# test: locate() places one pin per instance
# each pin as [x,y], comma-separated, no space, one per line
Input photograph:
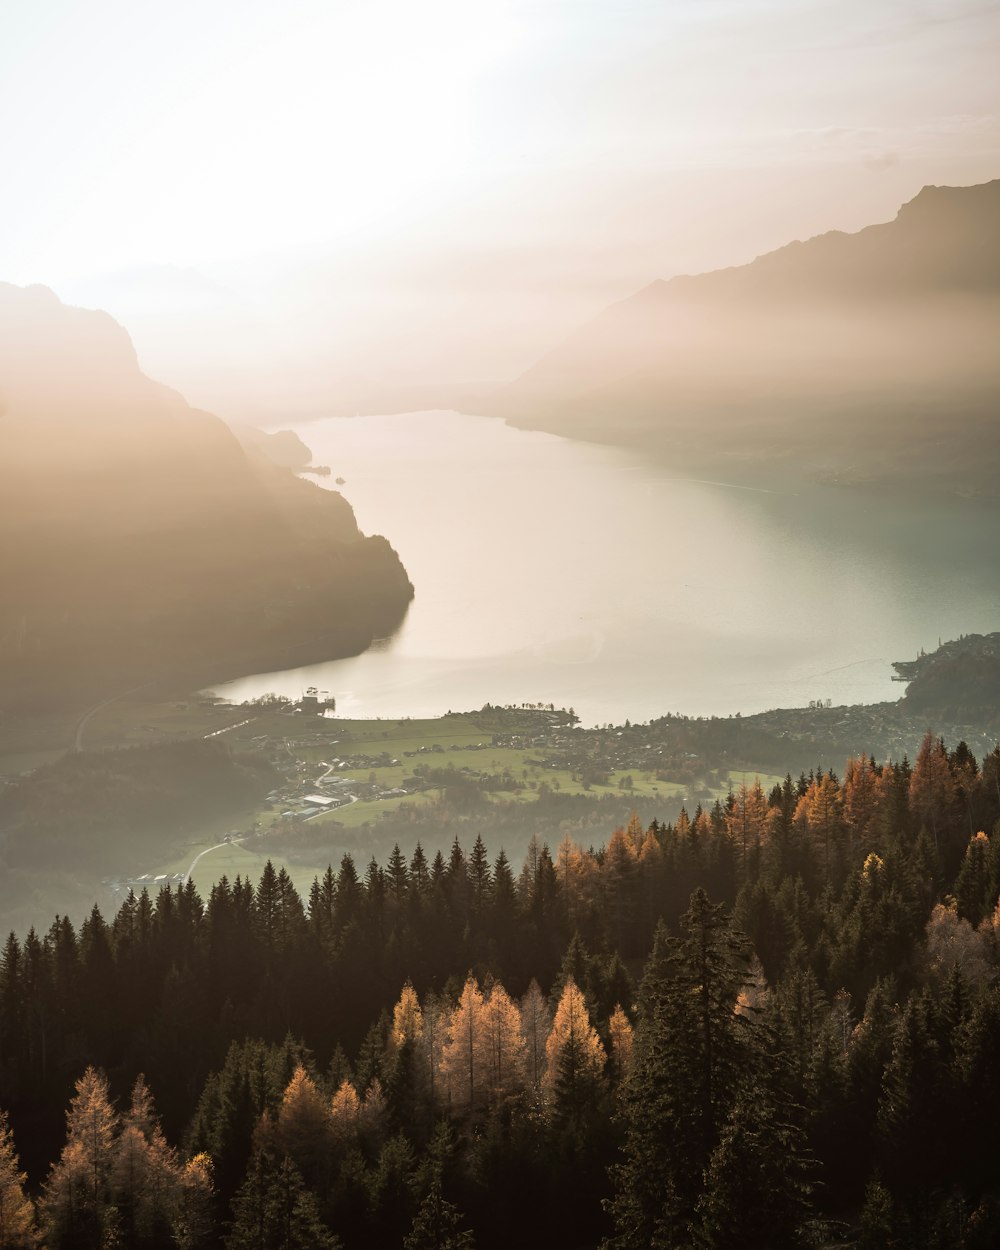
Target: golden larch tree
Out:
[860,795]
[536,1025]
[433,1039]
[620,1033]
[304,1128]
[193,1225]
[465,1061]
[746,823]
[407,1018]
[573,1051]
[819,810]
[507,1057]
[145,1173]
[17,1215]
[372,1113]
[76,1205]
[345,1114]
[933,793]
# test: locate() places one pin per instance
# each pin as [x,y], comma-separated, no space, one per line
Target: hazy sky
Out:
[568,150]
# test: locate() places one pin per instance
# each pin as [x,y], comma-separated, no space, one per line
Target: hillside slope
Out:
[138,539]
[867,357]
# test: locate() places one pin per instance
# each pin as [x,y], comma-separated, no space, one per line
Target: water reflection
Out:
[547,570]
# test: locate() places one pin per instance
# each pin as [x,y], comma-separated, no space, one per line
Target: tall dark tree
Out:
[691,1051]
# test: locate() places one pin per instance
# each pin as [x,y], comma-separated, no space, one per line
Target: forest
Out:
[773,1022]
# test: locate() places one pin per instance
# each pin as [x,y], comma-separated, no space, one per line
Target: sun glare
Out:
[246,131]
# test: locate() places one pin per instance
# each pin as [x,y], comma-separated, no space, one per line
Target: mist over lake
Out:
[584,575]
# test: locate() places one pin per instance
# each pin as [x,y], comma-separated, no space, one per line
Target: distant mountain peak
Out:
[818,349]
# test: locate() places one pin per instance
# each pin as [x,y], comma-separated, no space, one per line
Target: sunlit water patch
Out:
[553,571]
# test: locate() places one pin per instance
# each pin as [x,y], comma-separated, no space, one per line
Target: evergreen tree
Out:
[754,1190]
[479,877]
[274,1211]
[437,1222]
[690,1054]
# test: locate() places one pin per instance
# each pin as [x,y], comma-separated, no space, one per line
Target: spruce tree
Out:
[273,1210]
[690,1052]
[754,1192]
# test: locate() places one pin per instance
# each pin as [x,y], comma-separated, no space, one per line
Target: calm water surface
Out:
[581,575]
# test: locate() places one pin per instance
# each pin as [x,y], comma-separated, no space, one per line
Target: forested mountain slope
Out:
[775,1023]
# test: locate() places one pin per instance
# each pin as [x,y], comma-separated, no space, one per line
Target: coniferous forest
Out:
[773,1023]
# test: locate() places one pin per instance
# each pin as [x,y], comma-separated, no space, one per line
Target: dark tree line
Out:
[773,1021]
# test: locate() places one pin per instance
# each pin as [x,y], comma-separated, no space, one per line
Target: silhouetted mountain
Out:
[138,539]
[867,356]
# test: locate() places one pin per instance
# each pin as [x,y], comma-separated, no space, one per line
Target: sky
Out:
[439,191]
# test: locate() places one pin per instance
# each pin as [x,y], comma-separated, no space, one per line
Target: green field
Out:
[303,748]
[232,861]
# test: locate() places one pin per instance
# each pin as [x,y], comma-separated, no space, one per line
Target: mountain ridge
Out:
[888,332]
[138,537]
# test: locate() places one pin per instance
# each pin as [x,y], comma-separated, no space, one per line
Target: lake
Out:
[582,575]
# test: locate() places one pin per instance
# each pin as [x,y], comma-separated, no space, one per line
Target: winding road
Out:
[202,854]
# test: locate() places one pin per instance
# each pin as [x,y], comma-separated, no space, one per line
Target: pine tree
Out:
[820,808]
[877,1219]
[419,876]
[620,874]
[503,911]
[17,1215]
